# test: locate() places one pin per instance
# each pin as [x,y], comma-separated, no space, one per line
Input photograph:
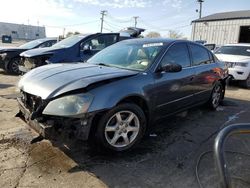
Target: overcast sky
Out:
[84,15]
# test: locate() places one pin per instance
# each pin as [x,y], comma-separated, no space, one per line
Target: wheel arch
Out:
[135,99]
[6,64]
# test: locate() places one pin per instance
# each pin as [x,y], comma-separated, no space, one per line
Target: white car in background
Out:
[237,59]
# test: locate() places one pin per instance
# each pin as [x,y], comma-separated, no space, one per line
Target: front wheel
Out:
[121,128]
[216,96]
[12,66]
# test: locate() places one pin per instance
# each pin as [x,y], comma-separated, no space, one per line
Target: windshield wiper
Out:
[103,64]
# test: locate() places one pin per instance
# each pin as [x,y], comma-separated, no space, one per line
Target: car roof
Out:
[151,40]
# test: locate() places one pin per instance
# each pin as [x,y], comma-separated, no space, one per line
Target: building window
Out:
[14,32]
[37,35]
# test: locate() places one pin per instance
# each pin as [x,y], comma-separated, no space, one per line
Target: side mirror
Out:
[171,68]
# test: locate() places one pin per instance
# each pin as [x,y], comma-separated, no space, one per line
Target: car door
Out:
[205,71]
[174,90]
[96,44]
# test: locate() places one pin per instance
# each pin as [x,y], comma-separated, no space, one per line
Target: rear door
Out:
[92,46]
[205,71]
[174,91]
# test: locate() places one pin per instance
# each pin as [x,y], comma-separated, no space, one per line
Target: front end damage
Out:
[49,126]
[28,63]
[3,59]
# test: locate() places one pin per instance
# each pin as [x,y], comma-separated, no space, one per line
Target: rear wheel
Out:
[216,96]
[121,128]
[12,66]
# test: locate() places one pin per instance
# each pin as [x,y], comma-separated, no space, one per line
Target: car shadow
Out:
[3,86]
[5,73]
[167,156]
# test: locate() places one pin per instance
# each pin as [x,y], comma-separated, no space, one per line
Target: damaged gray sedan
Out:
[121,91]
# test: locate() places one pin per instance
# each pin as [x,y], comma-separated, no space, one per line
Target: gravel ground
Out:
[167,158]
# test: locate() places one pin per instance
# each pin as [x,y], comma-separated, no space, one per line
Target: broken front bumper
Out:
[41,129]
[79,127]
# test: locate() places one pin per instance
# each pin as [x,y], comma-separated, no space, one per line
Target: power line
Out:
[63,26]
[112,25]
[119,19]
[164,29]
[108,29]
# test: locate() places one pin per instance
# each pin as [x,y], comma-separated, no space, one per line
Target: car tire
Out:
[246,83]
[216,96]
[12,66]
[121,128]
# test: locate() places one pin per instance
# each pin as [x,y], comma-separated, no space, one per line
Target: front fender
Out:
[109,95]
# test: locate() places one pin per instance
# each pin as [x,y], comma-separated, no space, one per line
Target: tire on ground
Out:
[101,137]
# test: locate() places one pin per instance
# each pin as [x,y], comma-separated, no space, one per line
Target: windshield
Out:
[70,41]
[32,44]
[128,56]
[234,50]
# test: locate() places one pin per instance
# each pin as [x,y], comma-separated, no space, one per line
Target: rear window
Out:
[234,50]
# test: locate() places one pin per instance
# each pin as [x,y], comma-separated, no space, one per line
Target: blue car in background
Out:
[77,48]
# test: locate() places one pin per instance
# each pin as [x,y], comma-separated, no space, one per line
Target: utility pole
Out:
[136,17]
[200,1]
[103,13]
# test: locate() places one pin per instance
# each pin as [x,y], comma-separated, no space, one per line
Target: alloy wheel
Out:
[216,96]
[122,129]
[14,66]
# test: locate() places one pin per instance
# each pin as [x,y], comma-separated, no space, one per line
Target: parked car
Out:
[9,56]
[121,91]
[75,48]
[237,58]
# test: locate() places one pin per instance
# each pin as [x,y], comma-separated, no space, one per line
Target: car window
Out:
[177,54]
[234,50]
[32,44]
[47,44]
[70,41]
[199,54]
[100,42]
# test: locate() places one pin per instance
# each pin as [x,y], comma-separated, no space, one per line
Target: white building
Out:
[223,28]
[21,31]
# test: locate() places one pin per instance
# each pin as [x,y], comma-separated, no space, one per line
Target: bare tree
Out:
[175,35]
[69,34]
[153,34]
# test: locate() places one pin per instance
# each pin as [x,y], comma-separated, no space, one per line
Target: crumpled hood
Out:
[40,51]
[52,80]
[232,58]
